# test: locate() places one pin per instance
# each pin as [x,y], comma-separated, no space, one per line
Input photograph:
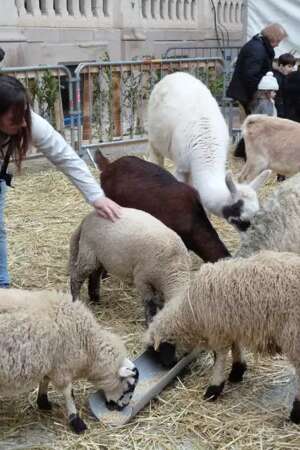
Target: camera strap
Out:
[3,171]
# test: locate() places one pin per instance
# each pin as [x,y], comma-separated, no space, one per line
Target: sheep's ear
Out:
[127,369]
[260,179]
[156,343]
[230,183]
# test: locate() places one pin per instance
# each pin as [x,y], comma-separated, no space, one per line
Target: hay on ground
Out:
[42,212]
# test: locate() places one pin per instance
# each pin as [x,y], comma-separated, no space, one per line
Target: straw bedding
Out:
[42,212]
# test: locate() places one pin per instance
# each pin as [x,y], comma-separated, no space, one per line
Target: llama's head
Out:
[244,200]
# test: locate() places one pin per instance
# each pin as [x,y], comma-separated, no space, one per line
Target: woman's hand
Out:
[107,208]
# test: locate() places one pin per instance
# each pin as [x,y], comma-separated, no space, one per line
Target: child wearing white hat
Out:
[263,101]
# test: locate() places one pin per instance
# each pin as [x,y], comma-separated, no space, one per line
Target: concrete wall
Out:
[62,31]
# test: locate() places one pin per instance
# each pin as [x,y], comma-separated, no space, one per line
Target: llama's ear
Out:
[260,179]
[100,160]
[230,183]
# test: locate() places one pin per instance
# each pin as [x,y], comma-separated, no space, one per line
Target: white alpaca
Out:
[186,125]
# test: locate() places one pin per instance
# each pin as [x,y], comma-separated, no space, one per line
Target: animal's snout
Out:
[136,373]
[241,225]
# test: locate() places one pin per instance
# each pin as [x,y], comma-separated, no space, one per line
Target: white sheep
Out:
[186,125]
[137,246]
[46,337]
[270,143]
[250,302]
[276,225]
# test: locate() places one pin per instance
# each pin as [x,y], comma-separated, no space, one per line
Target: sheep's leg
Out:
[294,359]
[94,285]
[42,398]
[217,380]
[78,276]
[239,365]
[252,168]
[151,300]
[76,423]
[154,156]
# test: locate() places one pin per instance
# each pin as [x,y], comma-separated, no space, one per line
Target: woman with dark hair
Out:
[19,127]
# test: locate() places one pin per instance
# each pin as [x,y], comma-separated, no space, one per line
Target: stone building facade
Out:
[71,31]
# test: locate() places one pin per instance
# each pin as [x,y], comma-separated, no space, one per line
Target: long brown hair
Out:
[14,96]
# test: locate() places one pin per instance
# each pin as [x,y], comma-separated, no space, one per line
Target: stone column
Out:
[98,8]
[48,7]
[74,8]
[20,6]
[87,8]
[164,9]
[34,7]
[61,8]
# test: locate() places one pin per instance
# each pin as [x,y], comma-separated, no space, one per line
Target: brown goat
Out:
[135,183]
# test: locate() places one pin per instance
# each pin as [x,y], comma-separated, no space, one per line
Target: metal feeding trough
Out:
[154,377]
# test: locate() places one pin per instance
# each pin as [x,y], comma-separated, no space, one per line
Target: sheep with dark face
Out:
[186,125]
[136,247]
[45,337]
[249,302]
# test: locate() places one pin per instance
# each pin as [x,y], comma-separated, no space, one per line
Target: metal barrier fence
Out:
[111,97]
[201,52]
[104,103]
[46,84]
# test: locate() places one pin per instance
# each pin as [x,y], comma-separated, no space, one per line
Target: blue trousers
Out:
[4,275]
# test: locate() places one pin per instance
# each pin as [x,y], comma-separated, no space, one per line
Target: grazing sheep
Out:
[136,246]
[135,183]
[186,125]
[45,337]
[271,143]
[276,225]
[252,302]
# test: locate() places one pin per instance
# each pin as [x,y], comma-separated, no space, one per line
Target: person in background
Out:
[286,64]
[2,54]
[19,127]
[292,96]
[255,59]
[264,98]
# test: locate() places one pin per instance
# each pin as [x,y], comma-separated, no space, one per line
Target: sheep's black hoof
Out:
[77,424]
[213,392]
[237,371]
[295,413]
[166,354]
[43,402]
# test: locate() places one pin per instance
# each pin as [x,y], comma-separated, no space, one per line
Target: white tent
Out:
[259,13]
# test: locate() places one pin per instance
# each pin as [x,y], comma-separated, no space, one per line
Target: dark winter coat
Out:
[2,54]
[292,96]
[254,61]
[279,99]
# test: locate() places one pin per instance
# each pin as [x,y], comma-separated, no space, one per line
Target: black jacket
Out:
[254,61]
[279,99]
[291,96]
[2,54]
